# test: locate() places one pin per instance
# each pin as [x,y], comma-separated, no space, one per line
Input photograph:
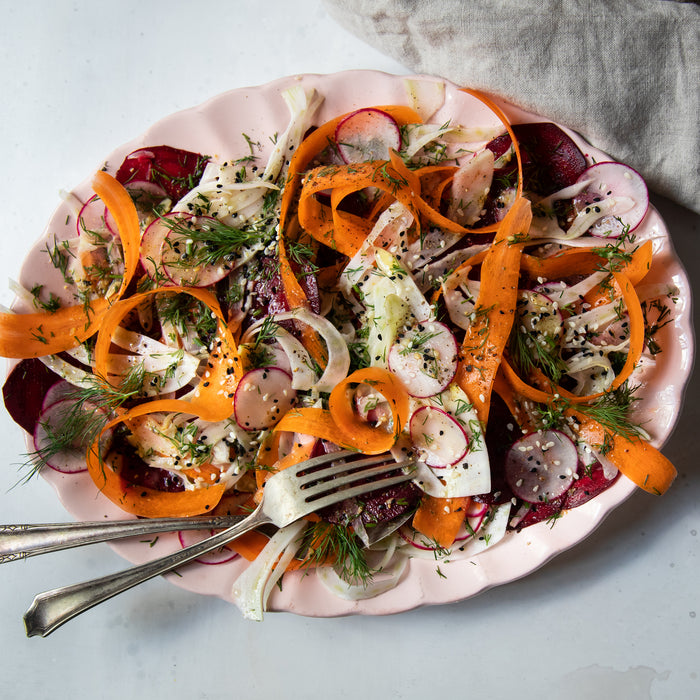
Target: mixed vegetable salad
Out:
[379,283]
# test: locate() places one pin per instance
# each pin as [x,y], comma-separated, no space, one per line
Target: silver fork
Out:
[288,495]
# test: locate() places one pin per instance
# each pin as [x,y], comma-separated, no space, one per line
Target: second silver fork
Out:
[288,496]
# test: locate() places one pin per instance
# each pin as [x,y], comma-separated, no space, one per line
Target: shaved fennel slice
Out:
[302,105]
[460,295]
[386,575]
[252,588]
[169,368]
[338,353]
[391,224]
[72,374]
[426,96]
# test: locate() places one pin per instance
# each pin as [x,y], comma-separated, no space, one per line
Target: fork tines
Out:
[352,472]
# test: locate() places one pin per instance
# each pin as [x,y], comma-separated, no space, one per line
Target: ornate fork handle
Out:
[51,609]
[22,541]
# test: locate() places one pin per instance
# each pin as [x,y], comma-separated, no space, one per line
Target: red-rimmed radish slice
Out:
[148,198]
[60,391]
[151,248]
[541,466]
[95,221]
[437,436]
[262,397]
[218,556]
[539,314]
[424,358]
[367,134]
[181,256]
[617,181]
[70,460]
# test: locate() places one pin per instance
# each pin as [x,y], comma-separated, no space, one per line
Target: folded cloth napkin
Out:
[623,73]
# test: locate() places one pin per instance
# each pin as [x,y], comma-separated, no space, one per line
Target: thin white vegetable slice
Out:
[425,357]
[469,476]
[151,248]
[262,397]
[539,314]
[338,362]
[387,576]
[619,183]
[367,134]
[425,96]
[181,257]
[440,440]
[470,187]
[541,466]
[252,588]
[169,368]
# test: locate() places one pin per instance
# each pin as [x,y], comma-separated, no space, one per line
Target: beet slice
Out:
[551,159]
[175,170]
[589,484]
[24,391]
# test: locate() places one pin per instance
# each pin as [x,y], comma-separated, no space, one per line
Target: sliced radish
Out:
[148,198]
[438,437]
[425,358]
[151,247]
[218,556]
[541,466]
[367,134]
[618,181]
[94,221]
[70,460]
[262,397]
[181,256]
[60,391]
[539,314]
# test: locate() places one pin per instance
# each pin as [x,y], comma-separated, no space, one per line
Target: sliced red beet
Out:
[375,507]
[24,391]
[551,159]
[175,170]
[589,484]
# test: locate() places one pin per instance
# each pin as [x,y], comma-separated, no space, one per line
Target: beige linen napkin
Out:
[623,73]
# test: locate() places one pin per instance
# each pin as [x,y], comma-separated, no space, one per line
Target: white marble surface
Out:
[614,617]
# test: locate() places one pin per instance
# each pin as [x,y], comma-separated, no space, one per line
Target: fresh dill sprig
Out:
[336,545]
[188,316]
[529,350]
[611,410]
[210,242]
[87,410]
[259,353]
